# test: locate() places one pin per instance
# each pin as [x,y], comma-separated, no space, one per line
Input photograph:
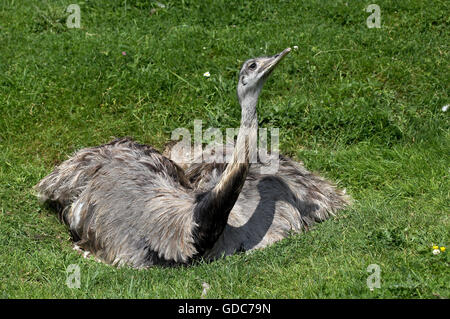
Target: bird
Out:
[128,204]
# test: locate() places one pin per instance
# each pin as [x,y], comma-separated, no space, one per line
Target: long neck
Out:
[214,207]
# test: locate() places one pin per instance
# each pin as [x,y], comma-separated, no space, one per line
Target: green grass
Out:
[361,106]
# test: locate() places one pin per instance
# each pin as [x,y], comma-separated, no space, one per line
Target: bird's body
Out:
[270,206]
[126,203]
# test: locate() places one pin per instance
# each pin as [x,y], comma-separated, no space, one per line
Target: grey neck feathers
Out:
[213,207]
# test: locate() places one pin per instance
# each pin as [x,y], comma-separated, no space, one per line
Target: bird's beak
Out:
[272,62]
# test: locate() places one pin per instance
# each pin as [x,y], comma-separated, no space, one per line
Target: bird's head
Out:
[254,73]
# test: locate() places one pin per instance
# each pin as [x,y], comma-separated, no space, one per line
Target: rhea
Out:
[127,204]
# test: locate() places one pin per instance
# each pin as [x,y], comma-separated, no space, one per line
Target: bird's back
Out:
[270,206]
[119,199]
[67,180]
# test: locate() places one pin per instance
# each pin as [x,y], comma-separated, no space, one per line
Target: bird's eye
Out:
[252,66]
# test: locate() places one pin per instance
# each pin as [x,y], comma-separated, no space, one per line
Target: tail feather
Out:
[68,180]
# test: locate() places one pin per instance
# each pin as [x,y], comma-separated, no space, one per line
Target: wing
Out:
[68,180]
[125,203]
[129,214]
[272,206]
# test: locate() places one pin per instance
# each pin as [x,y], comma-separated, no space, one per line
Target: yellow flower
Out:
[442,249]
[435,247]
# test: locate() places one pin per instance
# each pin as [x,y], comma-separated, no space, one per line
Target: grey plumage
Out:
[126,203]
[270,206]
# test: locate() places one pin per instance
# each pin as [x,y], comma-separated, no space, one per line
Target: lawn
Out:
[361,106]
